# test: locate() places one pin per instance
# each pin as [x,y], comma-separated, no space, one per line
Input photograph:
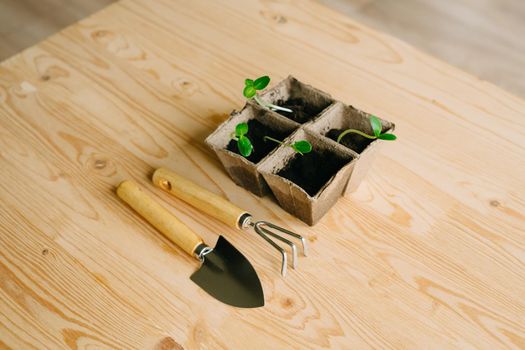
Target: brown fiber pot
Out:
[341,116]
[244,172]
[291,89]
[309,207]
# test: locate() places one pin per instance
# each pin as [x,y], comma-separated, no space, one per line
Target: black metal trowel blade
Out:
[229,277]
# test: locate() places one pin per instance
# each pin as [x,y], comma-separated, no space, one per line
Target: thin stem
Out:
[348,131]
[270,105]
[284,109]
[295,149]
[261,103]
[280,142]
[272,139]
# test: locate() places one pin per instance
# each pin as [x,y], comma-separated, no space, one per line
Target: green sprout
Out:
[376,128]
[243,142]
[250,91]
[301,146]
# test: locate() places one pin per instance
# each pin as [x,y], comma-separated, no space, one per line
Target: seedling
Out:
[376,128]
[301,146]
[250,91]
[243,142]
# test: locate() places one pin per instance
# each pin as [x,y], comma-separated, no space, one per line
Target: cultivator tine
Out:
[263,229]
[284,261]
[288,232]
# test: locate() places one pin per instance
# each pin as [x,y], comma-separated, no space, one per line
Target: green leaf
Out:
[261,83]
[241,129]
[376,125]
[248,82]
[302,146]
[245,146]
[249,91]
[388,137]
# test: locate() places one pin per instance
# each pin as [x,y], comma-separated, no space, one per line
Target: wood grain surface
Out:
[482,37]
[429,253]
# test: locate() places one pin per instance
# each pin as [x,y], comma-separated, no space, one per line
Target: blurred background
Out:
[483,37]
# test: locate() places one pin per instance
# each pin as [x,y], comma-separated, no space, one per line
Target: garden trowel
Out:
[225,273]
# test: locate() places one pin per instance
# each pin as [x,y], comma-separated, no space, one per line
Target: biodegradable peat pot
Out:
[340,117]
[308,185]
[261,122]
[306,102]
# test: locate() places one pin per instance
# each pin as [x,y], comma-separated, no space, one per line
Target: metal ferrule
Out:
[245,221]
[201,251]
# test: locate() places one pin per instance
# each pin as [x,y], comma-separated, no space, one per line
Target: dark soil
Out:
[353,141]
[302,110]
[312,170]
[256,133]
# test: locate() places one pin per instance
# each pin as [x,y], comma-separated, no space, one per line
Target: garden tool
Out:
[224,273]
[228,213]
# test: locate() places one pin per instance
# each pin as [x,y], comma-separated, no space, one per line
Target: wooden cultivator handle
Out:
[200,198]
[159,217]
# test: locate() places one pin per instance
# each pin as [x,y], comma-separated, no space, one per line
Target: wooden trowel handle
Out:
[159,217]
[200,198]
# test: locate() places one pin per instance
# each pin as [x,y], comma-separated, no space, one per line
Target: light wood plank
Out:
[481,37]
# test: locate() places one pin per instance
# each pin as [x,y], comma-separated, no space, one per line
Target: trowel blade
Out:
[229,277]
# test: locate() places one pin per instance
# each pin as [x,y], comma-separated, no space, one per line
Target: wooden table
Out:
[428,253]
